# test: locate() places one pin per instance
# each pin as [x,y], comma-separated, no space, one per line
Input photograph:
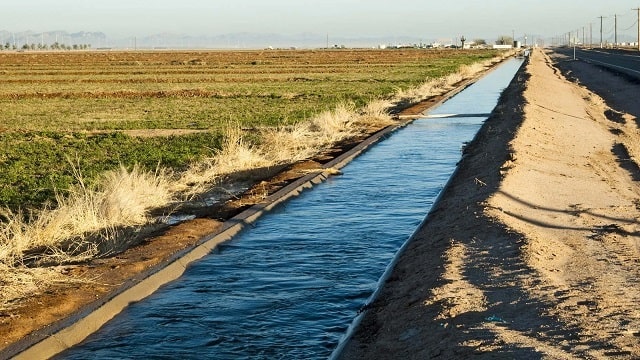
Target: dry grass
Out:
[282,145]
[441,85]
[126,196]
[122,198]
[22,283]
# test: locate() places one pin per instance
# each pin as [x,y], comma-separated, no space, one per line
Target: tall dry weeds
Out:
[121,198]
[438,86]
[276,147]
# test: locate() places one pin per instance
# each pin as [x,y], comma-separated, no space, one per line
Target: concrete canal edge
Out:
[64,334]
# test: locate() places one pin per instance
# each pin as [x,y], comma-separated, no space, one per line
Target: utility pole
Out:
[638,10]
[601,17]
[615,17]
[590,35]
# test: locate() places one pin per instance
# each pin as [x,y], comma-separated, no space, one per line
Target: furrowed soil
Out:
[533,251]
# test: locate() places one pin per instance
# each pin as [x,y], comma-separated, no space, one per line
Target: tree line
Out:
[54,46]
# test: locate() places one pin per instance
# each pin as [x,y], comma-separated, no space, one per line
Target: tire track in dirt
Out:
[581,222]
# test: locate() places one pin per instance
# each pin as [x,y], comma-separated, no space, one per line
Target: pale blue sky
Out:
[351,18]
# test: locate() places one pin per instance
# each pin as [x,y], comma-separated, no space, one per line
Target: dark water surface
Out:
[289,287]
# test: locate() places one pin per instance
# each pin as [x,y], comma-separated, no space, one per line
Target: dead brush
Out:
[121,198]
[18,283]
[335,125]
[438,86]
[236,154]
[290,144]
[375,115]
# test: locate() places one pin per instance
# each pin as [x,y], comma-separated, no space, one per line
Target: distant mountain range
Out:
[243,40]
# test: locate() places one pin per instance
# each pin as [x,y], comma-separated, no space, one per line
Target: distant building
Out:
[504,47]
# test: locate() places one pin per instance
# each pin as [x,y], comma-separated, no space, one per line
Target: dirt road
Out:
[533,251]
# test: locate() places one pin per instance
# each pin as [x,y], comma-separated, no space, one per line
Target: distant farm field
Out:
[97,110]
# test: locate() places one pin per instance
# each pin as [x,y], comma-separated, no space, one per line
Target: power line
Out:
[633,25]
[618,31]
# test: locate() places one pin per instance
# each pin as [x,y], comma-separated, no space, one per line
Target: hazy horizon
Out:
[338,19]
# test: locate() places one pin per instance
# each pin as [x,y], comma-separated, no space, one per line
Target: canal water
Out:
[289,287]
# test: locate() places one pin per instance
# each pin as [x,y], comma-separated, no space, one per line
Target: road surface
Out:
[627,63]
[620,84]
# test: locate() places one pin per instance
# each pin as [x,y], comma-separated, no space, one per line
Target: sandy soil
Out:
[533,251]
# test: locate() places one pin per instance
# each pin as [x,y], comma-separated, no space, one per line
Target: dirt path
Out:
[533,251]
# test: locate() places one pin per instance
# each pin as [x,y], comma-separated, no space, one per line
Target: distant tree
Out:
[75,46]
[25,47]
[32,46]
[480,42]
[504,40]
[7,45]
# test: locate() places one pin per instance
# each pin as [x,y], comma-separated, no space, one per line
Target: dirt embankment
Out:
[533,251]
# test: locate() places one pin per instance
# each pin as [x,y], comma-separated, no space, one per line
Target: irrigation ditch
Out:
[448,118]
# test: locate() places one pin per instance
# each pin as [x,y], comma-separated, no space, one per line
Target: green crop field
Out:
[97,110]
